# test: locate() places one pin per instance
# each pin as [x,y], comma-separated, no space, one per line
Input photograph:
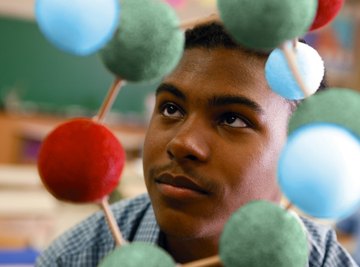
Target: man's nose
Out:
[190,142]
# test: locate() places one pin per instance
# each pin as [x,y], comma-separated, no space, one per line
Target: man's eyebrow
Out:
[235,99]
[169,88]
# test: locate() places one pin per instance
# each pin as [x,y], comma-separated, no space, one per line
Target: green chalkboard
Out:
[40,74]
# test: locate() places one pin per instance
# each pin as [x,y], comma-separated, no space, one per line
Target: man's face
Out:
[213,141]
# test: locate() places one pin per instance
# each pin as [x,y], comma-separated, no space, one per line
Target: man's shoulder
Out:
[324,248]
[91,238]
[127,209]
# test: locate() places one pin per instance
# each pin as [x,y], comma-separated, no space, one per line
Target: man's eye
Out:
[171,110]
[233,120]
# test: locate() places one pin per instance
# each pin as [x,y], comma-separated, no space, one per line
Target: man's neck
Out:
[188,250]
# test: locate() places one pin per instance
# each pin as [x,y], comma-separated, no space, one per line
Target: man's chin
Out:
[180,225]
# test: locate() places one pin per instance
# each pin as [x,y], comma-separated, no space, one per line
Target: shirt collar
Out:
[148,230]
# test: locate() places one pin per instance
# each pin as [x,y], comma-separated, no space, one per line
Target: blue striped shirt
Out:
[87,243]
[351,226]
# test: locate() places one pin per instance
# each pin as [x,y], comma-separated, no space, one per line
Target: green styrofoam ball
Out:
[334,105]
[265,24]
[138,254]
[262,234]
[148,43]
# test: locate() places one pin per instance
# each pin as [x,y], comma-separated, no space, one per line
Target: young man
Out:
[212,145]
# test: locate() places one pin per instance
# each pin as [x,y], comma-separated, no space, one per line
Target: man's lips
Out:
[182,182]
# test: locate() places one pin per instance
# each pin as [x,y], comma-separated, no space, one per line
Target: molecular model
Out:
[142,40]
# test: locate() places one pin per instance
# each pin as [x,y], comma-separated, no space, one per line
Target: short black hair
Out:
[213,35]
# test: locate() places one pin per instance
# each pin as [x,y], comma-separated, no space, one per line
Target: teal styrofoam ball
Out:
[333,105]
[79,27]
[264,24]
[138,254]
[262,234]
[319,169]
[282,80]
[148,44]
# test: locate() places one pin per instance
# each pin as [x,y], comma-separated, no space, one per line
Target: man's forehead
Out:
[220,67]
[205,74]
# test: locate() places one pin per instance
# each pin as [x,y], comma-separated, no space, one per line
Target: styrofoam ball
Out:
[81,161]
[138,254]
[79,27]
[148,44]
[326,12]
[176,3]
[319,169]
[281,79]
[262,234]
[264,24]
[340,106]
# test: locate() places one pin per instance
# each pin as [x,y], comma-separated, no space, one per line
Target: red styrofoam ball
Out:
[81,161]
[326,12]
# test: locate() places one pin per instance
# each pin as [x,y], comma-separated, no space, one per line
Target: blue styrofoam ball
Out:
[79,27]
[319,170]
[281,79]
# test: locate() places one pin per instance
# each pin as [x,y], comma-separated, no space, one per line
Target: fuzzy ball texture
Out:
[326,12]
[138,254]
[264,24]
[79,27]
[335,105]
[319,170]
[262,234]
[81,161]
[281,79]
[148,43]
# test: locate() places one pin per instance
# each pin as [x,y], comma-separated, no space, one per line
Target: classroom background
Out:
[41,87]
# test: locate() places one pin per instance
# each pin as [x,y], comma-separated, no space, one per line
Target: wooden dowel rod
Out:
[207,262]
[109,99]
[114,228]
[288,206]
[104,109]
[291,59]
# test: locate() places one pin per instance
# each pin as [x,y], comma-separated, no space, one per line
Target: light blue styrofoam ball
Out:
[319,170]
[79,27]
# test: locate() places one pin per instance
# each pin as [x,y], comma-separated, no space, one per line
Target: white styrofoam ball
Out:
[281,79]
